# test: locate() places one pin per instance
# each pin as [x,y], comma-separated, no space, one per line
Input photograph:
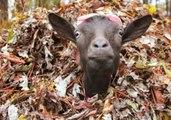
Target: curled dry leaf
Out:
[24,82]
[12,112]
[157,96]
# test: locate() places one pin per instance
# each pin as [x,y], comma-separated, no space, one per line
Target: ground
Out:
[40,76]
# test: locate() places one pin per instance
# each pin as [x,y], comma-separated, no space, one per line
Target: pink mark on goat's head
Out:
[112,18]
[115,19]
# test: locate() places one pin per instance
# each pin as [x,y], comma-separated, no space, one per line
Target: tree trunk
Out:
[3,10]
[145,1]
[169,9]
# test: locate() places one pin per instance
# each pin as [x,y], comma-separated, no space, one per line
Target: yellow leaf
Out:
[169,106]
[116,2]
[134,105]
[110,90]
[51,86]
[164,116]
[107,106]
[140,64]
[167,71]
[151,8]
[22,117]
[11,33]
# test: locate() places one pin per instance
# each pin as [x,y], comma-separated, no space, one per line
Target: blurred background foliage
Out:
[9,8]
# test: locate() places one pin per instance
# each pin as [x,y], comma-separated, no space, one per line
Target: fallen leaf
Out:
[168,36]
[61,84]
[132,92]
[22,117]
[147,40]
[23,54]
[169,86]
[164,116]
[157,96]
[167,71]
[107,106]
[78,115]
[76,89]
[12,58]
[142,87]
[151,8]
[153,62]
[130,62]
[24,82]
[133,75]
[140,63]
[107,116]
[134,105]
[5,50]
[13,112]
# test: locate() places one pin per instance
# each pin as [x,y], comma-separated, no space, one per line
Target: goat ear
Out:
[136,28]
[62,27]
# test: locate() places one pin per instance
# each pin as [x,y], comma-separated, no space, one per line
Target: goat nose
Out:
[100,44]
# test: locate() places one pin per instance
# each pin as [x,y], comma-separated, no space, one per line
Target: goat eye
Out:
[121,31]
[77,34]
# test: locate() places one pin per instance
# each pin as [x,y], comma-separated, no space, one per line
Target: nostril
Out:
[105,45]
[100,44]
[95,45]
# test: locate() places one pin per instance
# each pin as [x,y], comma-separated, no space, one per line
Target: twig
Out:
[12,58]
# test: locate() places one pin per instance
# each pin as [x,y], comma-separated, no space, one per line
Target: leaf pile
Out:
[40,77]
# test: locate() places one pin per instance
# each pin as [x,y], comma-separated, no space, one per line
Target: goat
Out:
[99,39]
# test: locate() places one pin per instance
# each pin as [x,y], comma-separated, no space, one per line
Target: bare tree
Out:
[169,8]
[145,1]
[3,10]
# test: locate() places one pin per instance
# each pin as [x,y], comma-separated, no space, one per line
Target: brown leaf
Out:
[158,96]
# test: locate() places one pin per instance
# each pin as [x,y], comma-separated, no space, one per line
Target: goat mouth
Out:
[100,63]
[100,60]
[100,57]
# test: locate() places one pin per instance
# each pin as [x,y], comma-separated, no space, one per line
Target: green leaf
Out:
[140,63]
[167,71]
[11,36]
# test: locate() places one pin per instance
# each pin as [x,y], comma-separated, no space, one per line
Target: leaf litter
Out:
[40,77]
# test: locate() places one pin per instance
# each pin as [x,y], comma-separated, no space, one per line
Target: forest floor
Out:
[40,77]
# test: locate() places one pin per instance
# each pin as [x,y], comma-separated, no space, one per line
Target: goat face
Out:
[99,39]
